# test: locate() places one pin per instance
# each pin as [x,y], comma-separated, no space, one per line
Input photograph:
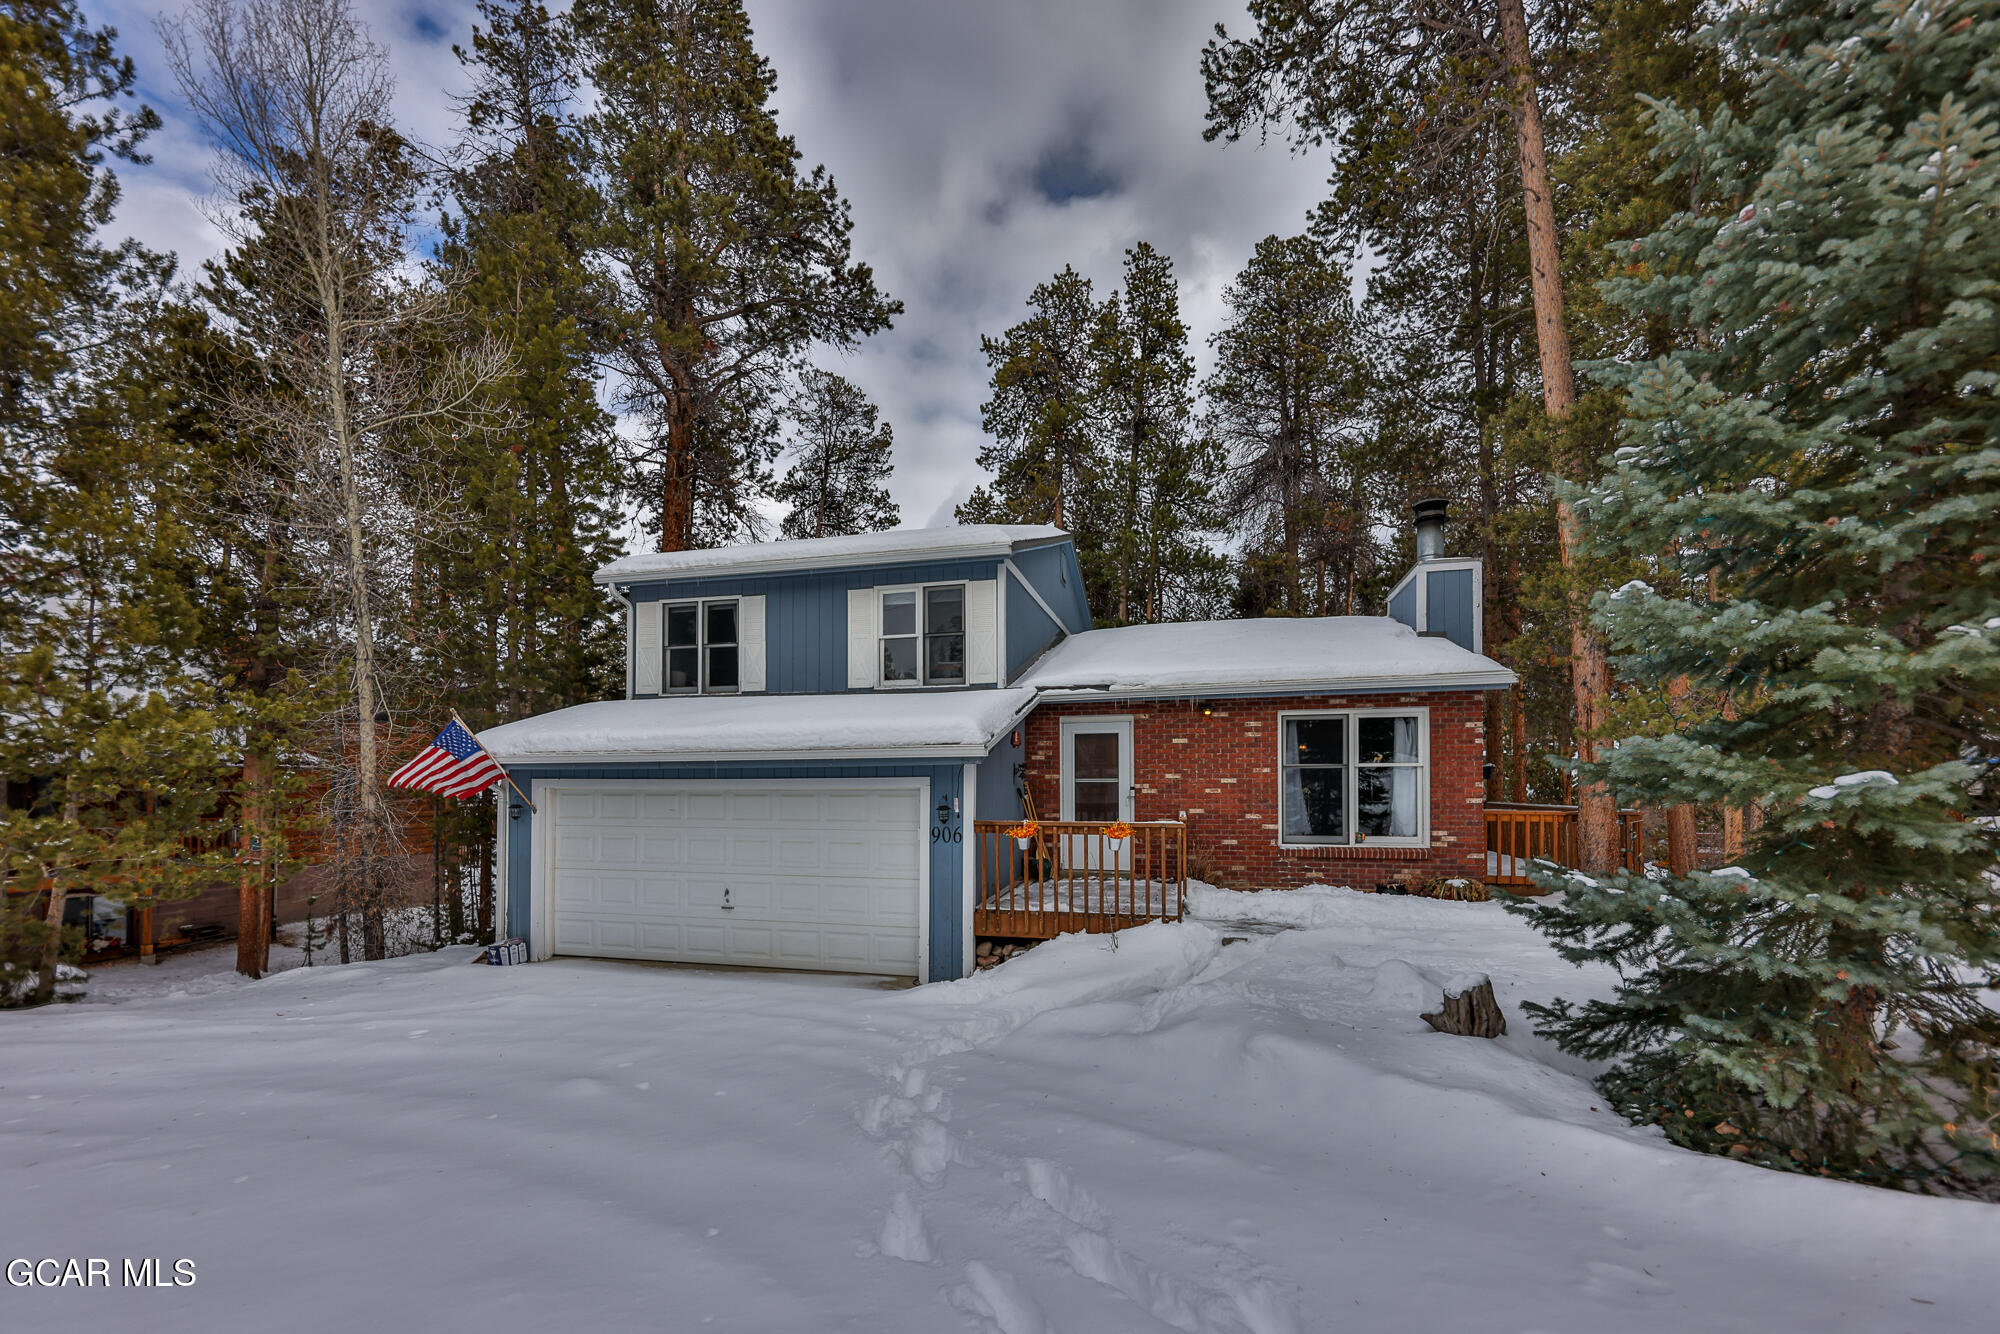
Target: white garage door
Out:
[773,875]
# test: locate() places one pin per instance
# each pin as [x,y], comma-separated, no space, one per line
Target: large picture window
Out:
[923,635]
[702,647]
[1353,777]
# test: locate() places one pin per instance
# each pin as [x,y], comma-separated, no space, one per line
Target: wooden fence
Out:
[1072,876]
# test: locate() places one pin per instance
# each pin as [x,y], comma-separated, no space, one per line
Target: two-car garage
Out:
[774,873]
[818,832]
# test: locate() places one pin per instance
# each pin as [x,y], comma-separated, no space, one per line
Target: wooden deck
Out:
[1518,835]
[1071,876]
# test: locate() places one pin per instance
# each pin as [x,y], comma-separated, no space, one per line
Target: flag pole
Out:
[489,755]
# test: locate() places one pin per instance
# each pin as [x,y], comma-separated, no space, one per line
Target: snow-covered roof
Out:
[965,541]
[953,723]
[1274,654]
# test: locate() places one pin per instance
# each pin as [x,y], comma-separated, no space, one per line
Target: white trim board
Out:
[1351,811]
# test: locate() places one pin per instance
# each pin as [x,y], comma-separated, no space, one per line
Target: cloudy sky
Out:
[983,144]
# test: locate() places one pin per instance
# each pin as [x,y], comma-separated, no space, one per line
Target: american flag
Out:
[453,765]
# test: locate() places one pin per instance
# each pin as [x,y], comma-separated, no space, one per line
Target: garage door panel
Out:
[662,849]
[896,857]
[752,850]
[799,852]
[824,878]
[800,808]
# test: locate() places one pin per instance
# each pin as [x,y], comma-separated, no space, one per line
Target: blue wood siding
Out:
[1029,629]
[947,835]
[1053,570]
[993,781]
[1403,606]
[1448,605]
[805,614]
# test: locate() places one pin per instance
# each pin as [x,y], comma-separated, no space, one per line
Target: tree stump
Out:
[1472,1013]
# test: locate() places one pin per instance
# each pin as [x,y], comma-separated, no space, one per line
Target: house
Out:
[824,745]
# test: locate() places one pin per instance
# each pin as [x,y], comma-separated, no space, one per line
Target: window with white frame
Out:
[923,635]
[702,647]
[1359,776]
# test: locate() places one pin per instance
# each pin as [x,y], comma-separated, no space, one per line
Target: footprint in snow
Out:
[905,1234]
[1619,1281]
[998,1301]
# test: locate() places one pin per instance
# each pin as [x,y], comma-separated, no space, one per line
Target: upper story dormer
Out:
[914,609]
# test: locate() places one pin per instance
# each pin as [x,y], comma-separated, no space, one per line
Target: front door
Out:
[1097,780]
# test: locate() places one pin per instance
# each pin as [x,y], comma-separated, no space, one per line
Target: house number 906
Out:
[942,835]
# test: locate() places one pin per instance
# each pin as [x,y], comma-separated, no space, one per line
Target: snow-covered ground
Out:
[1233,1125]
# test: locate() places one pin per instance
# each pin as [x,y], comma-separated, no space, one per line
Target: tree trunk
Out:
[1680,817]
[45,976]
[1732,816]
[1473,1013]
[1590,674]
[253,915]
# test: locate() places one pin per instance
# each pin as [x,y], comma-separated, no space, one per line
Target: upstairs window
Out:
[923,635]
[1357,777]
[702,647]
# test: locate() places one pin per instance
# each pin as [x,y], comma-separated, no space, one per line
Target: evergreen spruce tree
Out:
[514,624]
[1161,471]
[1816,476]
[1047,453]
[1285,401]
[524,629]
[838,479]
[730,260]
[111,750]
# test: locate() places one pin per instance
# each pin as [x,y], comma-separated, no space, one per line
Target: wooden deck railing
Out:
[1517,835]
[1072,877]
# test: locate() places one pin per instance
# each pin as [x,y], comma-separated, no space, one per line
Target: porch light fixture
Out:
[1207,709]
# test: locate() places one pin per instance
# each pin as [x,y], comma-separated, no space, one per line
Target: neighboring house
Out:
[821,740]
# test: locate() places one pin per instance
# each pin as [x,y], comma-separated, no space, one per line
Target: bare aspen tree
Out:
[317,188]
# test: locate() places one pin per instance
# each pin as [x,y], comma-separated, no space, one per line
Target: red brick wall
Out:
[1222,771]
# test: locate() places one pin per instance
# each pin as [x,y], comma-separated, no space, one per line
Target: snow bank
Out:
[1141,1132]
[1328,651]
[957,723]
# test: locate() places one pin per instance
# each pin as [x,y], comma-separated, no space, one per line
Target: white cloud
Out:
[954,130]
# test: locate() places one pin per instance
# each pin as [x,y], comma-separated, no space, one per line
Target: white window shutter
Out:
[646,648]
[750,643]
[982,631]
[864,617]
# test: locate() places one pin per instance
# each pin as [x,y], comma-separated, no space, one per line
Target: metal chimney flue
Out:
[1430,516]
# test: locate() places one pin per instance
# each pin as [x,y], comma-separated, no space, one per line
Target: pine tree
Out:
[1046,452]
[1285,400]
[838,479]
[1818,465]
[730,260]
[524,629]
[363,378]
[1398,90]
[1160,469]
[514,624]
[111,751]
